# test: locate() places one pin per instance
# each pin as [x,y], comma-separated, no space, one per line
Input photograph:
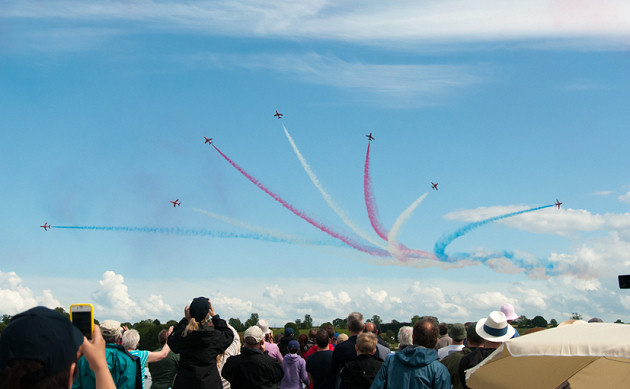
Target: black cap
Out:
[43,335]
[199,308]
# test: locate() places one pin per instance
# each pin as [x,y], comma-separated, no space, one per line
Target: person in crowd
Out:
[39,349]
[283,345]
[342,338]
[457,332]
[252,369]
[382,347]
[233,349]
[163,372]
[416,367]
[494,330]
[199,345]
[334,340]
[346,351]
[375,328]
[294,368]
[405,337]
[303,342]
[360,372]
[510,314]
[270,347]
[331,333]
[124,367]
[452,360]
[311,338]
[131,340]
[320,375]
[444,339]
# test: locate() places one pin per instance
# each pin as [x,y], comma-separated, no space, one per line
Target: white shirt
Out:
[444,351]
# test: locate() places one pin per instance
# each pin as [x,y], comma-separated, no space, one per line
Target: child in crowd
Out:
[360,372]
[294,368]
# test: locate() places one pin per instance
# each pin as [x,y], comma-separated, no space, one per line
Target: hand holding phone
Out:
[82,316]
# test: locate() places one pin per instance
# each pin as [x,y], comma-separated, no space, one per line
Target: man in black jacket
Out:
[252,368]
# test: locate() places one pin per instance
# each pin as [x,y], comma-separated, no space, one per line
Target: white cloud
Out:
[155,304]
[408,22]
[625,198]
[533,298]
[379,296]
[231,306]
[489,300]
[113,296]
[16,297]
[328,300]
[380,79]
[273,291]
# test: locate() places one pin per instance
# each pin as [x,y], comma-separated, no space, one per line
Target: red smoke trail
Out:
[346,240]
[370,204]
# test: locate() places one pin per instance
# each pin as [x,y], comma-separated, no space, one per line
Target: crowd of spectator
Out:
[40,348]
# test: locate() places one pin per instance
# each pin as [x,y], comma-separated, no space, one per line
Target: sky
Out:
[507,106]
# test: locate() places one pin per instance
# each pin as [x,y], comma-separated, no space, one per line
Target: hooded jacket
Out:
[415,367]
[294,367]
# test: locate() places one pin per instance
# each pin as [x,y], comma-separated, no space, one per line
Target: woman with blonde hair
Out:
[198,343]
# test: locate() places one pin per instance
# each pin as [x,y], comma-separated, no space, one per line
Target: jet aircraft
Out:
[370,137]
[208,140]
[46,226]
[176,203]
[558,204]
[434,185]
[278,114]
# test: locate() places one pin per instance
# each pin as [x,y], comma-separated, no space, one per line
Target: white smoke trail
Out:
[331,203]
[393,245]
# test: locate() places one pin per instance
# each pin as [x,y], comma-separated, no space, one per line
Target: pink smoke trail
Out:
[372,211]
[370,204]
[302,215]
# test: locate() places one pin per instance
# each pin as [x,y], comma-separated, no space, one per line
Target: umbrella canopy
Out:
[595,355]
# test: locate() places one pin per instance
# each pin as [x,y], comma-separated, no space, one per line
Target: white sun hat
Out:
[495,327]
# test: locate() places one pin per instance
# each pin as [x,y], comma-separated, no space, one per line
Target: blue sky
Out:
[507,106]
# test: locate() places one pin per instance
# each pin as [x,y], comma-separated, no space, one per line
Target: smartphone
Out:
[82,316]
[624,282]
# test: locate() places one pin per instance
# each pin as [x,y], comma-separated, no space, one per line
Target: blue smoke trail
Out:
[208,233]
[445,240]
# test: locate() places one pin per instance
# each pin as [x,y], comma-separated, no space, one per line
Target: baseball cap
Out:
[293,345]
[40,334]
[253,335]
[288,331]
[199,308]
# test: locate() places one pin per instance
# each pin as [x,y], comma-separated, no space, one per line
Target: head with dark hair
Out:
[355,322]
[302,341]
[162,337]
[330,329]
[24,373]
[38,349]
[425,332]
[311,333]
[443,329]
[322,338]
[473,337]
